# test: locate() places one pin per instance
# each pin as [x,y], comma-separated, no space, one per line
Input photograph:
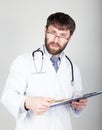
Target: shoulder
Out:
[23,57]
[21,61]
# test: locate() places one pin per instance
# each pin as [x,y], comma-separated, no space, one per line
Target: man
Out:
[34,84]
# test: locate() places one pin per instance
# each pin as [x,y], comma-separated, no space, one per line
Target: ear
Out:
[45,29]
[70,38]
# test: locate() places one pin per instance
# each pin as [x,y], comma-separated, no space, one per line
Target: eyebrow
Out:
[53,31]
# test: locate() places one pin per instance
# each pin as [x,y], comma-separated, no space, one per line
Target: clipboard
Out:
[67,101]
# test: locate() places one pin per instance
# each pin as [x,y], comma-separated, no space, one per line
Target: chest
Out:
[46,82]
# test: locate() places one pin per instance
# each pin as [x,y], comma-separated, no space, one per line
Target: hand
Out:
[79,105]
[38,105]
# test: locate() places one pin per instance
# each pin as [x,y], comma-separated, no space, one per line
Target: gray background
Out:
[22,24]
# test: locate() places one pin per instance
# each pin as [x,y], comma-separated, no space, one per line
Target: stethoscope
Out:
[40,71]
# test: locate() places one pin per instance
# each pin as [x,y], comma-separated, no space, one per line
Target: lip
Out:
[54,46]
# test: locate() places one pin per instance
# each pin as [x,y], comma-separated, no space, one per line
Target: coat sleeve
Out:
[13,96]
[77,88]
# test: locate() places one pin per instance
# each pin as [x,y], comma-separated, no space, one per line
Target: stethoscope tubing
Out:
[72,69]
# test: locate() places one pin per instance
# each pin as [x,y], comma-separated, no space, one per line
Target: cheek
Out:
[63,45]
[47,41]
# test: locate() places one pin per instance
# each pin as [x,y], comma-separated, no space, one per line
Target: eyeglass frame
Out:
[59,37]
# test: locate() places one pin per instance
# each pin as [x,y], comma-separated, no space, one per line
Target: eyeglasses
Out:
[53,36]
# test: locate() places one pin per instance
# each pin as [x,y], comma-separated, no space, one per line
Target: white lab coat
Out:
[23,81]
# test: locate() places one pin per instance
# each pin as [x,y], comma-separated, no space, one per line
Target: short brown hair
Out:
[61,21]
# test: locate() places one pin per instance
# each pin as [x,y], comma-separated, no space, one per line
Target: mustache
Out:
[54,43]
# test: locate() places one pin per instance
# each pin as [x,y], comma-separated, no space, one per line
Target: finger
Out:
[79,107]
[81,103]
[48,99]
[40,111]
[78,104]
[44,107]
[46,103]
[83,100]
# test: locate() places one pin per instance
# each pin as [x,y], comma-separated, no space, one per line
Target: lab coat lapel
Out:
[48,66]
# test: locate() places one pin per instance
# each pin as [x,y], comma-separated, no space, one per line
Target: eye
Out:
[63,35]
[53,33]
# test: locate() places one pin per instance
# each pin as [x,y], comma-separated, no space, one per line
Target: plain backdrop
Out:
[22,24]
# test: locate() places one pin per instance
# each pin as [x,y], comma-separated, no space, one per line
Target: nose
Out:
[56,39]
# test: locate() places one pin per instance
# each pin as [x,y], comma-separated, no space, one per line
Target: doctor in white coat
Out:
[33,84]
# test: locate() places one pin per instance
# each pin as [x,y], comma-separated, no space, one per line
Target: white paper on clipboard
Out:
[66,101]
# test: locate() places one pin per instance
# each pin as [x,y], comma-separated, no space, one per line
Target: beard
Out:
[57,45]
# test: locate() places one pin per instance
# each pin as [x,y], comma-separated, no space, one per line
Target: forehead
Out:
[53,28]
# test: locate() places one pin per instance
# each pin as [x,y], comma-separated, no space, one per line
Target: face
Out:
[56,40]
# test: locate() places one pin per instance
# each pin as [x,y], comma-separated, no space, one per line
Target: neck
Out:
[56,55]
